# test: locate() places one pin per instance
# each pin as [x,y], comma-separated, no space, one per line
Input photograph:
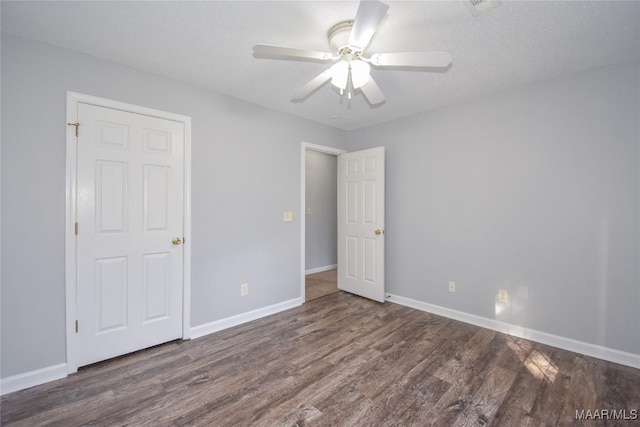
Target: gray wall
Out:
[245,171]
[321,226]
[535,191]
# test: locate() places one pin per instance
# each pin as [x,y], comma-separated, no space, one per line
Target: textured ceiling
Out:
[209,45]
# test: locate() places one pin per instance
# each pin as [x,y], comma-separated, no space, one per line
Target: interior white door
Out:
[361,223]
[130,208]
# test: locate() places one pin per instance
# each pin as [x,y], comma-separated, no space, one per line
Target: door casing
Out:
[73,99]
[303,218]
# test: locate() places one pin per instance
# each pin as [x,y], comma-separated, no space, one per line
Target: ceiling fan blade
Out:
[412,59]
[279,52]
[372,92]
[312,86]
[370,14]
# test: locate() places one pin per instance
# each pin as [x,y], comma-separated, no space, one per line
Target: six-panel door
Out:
[361,223]
[130,207]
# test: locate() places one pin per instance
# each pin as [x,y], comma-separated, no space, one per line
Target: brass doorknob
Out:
[176,241]
[378,232]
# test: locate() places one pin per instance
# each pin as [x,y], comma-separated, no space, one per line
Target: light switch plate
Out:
[288,216]
[503,296]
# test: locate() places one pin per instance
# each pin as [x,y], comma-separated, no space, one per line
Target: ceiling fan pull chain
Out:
[349,83]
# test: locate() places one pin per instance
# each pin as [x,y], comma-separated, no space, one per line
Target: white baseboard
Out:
[219,325]
[320,269]
[32,378]
[52,373]
[609,354]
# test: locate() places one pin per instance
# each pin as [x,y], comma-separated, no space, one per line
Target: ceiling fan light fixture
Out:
[357,71]
[348,41]
[339,74]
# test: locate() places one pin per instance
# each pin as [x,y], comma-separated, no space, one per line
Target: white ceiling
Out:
[209,45]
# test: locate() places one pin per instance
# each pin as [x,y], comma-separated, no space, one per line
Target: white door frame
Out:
[303,209]
[73,99]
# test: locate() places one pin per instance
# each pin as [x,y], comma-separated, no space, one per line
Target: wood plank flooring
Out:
[320,284]
[339,360]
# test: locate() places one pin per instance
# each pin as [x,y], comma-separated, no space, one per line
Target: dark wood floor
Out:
[320,284]
[339,360]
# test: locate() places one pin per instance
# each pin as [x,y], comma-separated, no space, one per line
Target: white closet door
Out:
[130,217]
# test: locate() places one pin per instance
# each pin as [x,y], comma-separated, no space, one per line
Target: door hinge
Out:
[76,326]
[76,229]
[77,125]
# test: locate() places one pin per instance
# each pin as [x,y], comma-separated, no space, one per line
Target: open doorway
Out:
[319,224]
[318,285]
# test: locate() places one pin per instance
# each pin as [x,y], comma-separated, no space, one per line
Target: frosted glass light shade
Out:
[359,74]
[339,74]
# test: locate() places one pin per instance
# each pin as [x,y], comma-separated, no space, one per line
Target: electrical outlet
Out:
[288,216]
[503,296]
[452,286]
[244,289]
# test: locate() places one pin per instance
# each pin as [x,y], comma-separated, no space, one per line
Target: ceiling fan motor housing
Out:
[339,36]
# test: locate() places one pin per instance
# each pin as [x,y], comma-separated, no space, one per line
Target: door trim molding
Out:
[303,217]
[73,99]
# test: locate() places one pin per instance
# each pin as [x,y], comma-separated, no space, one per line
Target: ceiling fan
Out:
[349,39]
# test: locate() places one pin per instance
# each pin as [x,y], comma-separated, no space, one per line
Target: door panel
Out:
[156,197]
[130,206]
[361,223]
[156,289]
[369,260]
[111,293]
[111,197]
